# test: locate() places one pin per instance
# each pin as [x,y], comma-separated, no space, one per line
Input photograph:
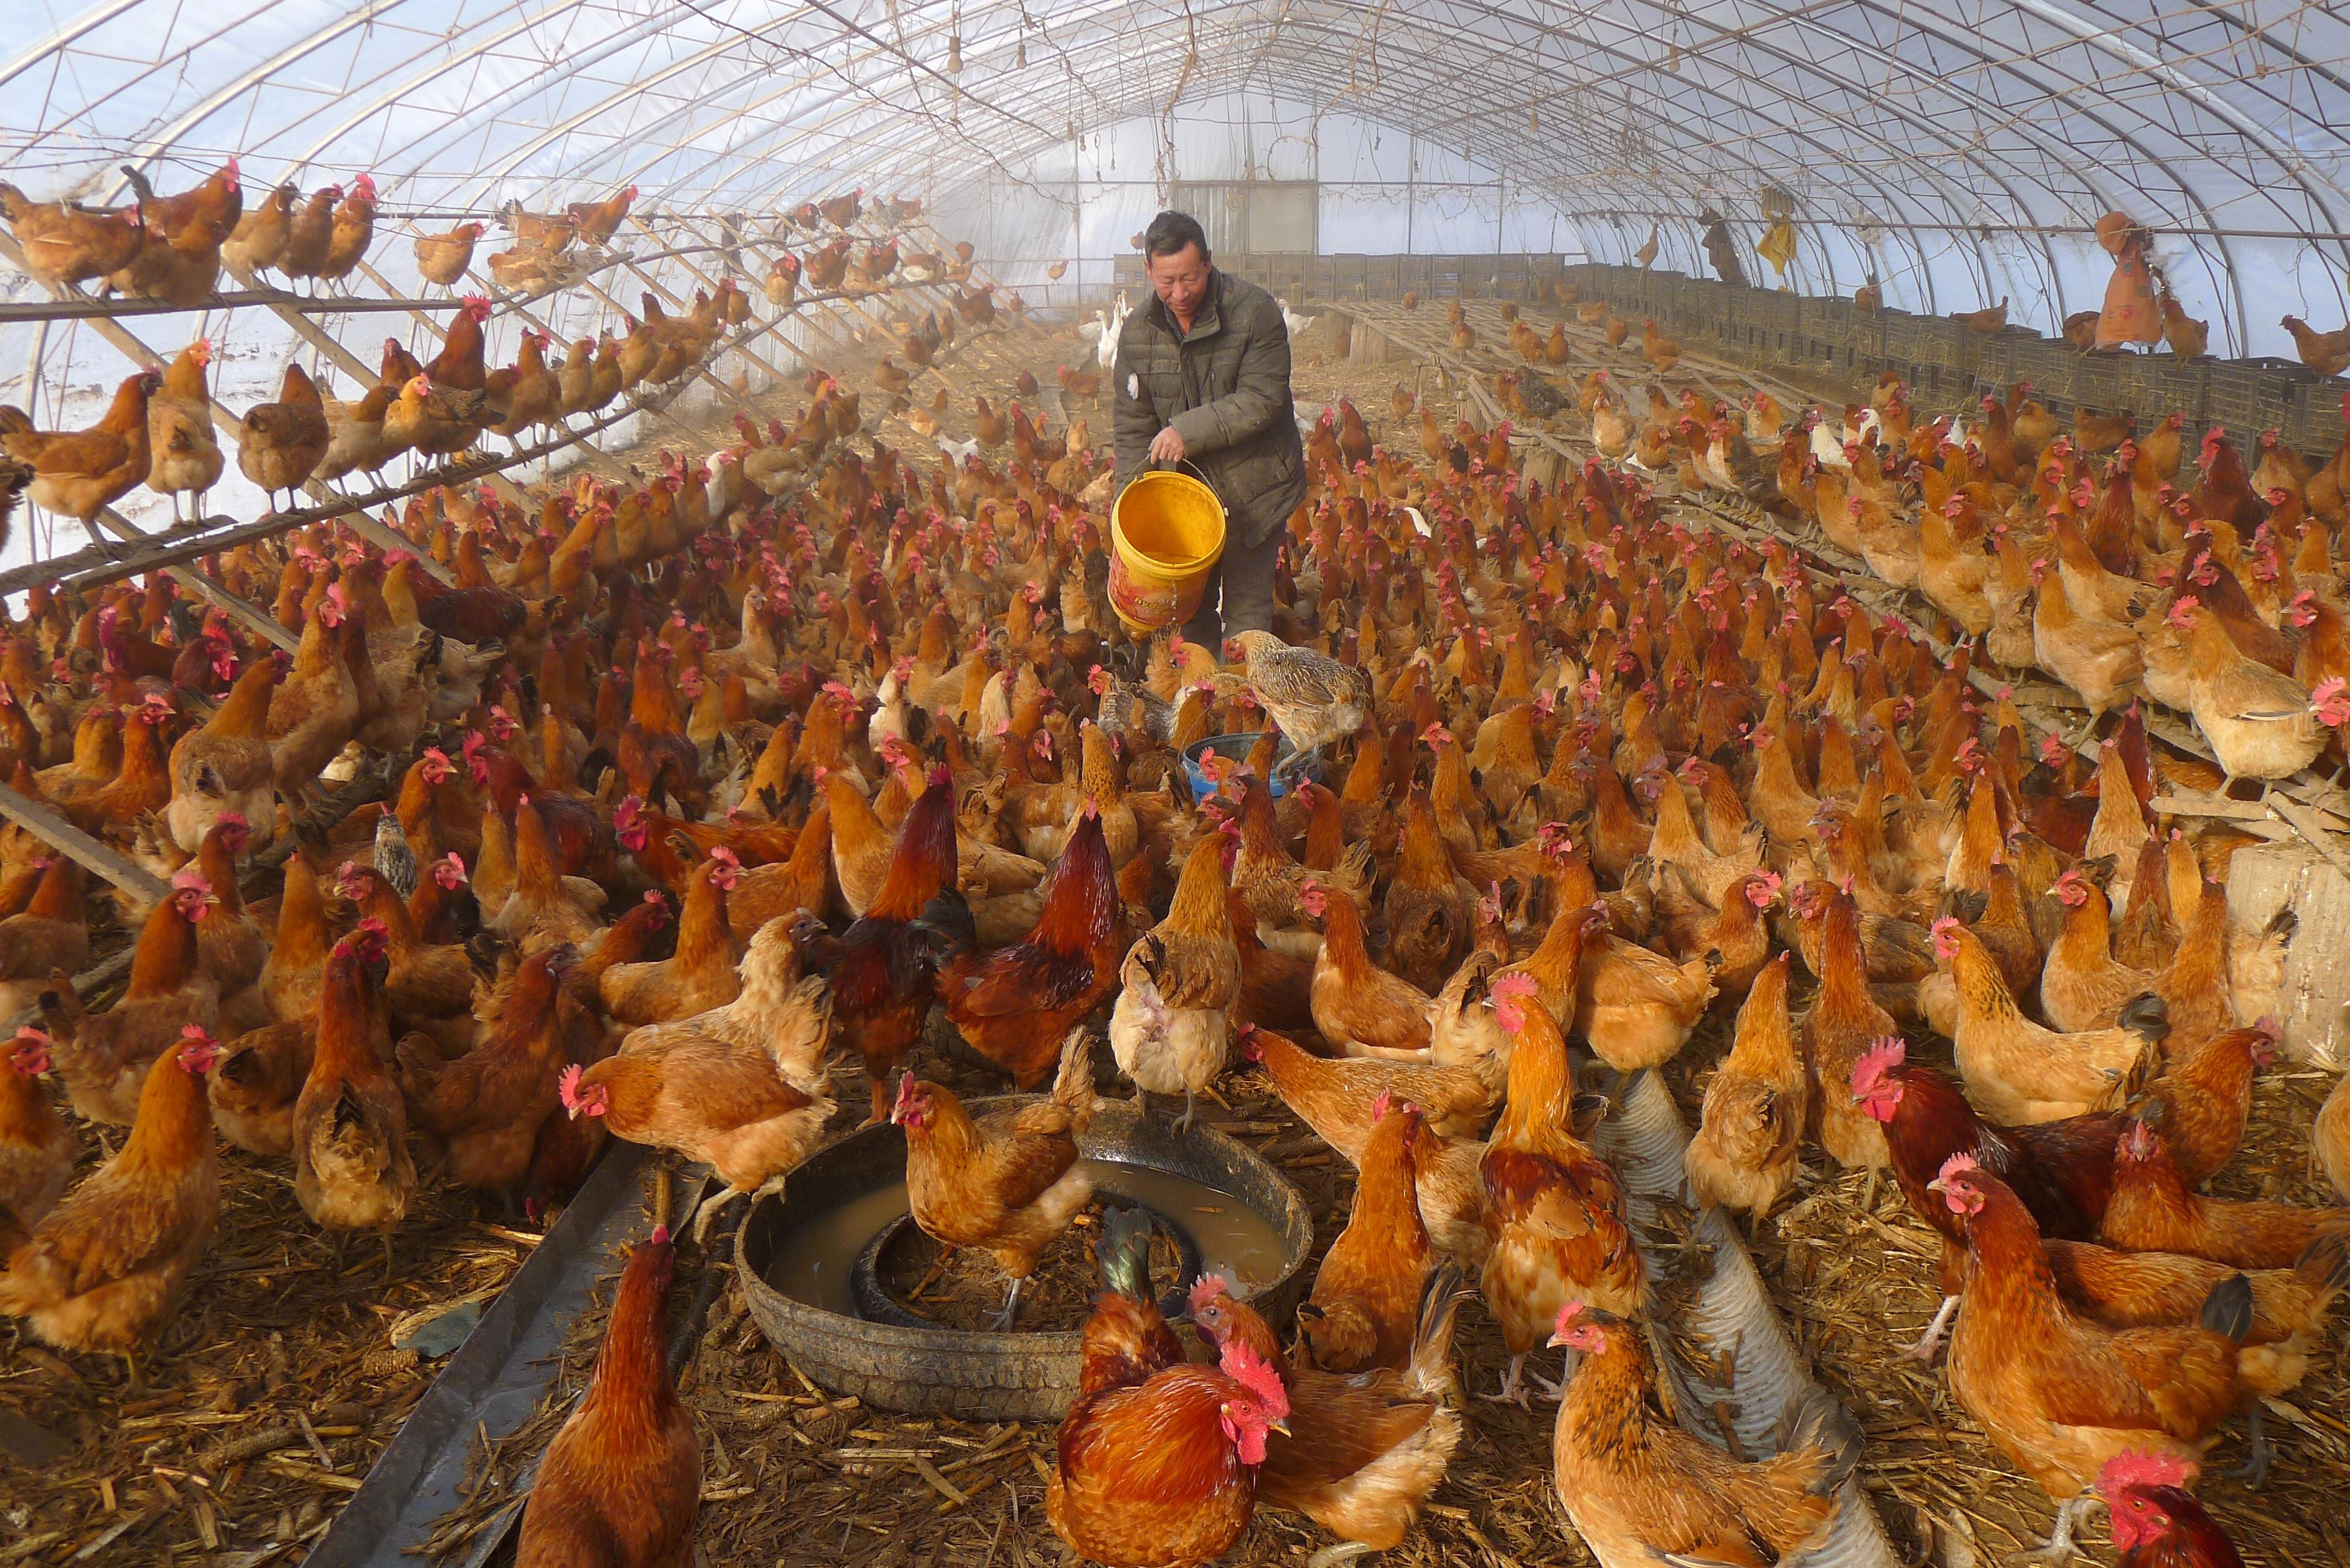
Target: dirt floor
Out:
[277,1386]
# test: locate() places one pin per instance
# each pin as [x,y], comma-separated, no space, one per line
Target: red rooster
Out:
[1015,1005]
[2156,1521]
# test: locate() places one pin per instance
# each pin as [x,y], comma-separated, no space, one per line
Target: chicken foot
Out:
[2254,1471]
[1514,1387]
[1002,1322]
[2059,1549]
[1339,1552]
[1930,1341]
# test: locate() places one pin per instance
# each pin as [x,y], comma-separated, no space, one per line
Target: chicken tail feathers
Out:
[2148,1016]
[1440,1296]
[946,923]
[1074,1085]
[1815,1421]
[2326,1264]
[2227,1310]
[1123,1252]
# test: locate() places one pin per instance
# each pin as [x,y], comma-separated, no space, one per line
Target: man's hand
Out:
[1166,446]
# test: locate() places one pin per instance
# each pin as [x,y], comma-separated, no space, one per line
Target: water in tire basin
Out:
[812,1264]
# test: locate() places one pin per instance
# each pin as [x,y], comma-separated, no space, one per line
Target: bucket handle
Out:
[1184,462]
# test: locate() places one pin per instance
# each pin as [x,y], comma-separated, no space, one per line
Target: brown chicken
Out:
[279,443]
[1360,1453]
[102,1269]
[1364,1309]
[352,1171]
[1642,1489]
[703,972]
[2020,1072]
[1008,1182]
[1360,1009]
[1553,1209]
[750,1109]
[1180,987]
[36,1147]
[65,244]
[2153,1211]
[104,1057]
[442,258]
[1744,1155]
[622,1482]
[81,474]
[483,1109]
[2060,1397]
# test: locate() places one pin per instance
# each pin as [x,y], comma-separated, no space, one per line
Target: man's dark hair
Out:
[1170,232]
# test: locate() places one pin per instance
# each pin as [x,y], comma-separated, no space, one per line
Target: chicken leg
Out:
[2060,1549]
[1002,1322]
[1931,1341]
[1514,1386]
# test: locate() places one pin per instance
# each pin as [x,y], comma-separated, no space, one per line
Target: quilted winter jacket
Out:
[1224,386]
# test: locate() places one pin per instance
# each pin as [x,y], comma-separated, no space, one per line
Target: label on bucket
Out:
[1151,604]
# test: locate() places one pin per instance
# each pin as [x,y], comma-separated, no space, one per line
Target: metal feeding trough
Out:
[808,1256]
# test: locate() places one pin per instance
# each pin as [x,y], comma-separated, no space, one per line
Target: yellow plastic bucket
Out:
[1166,531]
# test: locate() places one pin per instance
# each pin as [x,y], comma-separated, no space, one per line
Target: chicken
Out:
[48,936]
[81,474]
[1553,1209]
[1641,1488]
[1180,986]
[1364,1309]
[2153,1211]
[258,241]
[279,443]
[621,1481]
[1361,1009]
[442,258]
[2020,1072]
[64,243]
[702,975]
[1635,1008]
[184,459]
[2156,1522]
[36,1147]
[2081,985]
[2094,656]
[2059,1397]
[2329,1136]
[483,1109]
[546,908]
[257,1083]
[102,1269]
[104,1057]
[2261,722]
[749,1101]
[297,947]
[426,988]
[352,1171]
[1844,1023]
[1428,904]
[224,767]
[2327,353]
[1360,1455]
[314,709]
[1744,1155]
[2063,1170]
[1313,699]
[1016,1005]
[885,966]
[1009,1182]
[1158,1458]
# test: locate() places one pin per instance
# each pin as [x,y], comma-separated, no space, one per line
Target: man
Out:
[1202,378]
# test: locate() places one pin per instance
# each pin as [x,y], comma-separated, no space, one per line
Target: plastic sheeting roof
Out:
[1966,147]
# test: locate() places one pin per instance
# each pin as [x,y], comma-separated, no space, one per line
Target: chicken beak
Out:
[1281,1426]
[1936,1185]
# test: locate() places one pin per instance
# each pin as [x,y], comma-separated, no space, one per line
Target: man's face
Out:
[1180,280]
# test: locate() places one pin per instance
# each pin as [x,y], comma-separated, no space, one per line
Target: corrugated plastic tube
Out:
[1643,1137]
